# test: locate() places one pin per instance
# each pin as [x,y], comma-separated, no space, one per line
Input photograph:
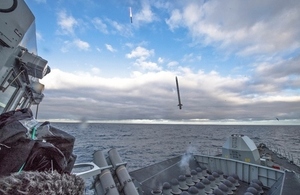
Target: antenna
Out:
[179,101]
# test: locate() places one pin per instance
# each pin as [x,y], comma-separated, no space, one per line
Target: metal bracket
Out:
[94,169]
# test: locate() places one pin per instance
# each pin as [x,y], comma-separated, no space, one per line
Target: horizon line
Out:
[182,122]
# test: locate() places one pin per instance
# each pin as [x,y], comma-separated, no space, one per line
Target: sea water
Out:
[141,145]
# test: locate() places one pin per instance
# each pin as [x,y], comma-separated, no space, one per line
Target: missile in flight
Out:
[179,101]
[130,14]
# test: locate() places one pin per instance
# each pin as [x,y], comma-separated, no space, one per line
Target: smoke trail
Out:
[83,123]
[185,159]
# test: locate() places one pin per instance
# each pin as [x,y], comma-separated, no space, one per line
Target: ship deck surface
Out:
[166,171]
[291,184]
[153,177]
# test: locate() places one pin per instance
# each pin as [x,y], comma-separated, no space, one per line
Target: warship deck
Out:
[285,181]
[291,183]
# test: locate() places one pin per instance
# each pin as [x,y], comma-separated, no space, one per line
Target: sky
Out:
[236,61]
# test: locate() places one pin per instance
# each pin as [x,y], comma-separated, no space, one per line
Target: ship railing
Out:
[246,171]
[282,153]
[279,151]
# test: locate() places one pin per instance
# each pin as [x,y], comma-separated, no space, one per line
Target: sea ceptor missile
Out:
[179,101]
[130,14]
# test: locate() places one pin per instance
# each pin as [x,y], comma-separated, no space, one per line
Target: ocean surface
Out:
[144,144]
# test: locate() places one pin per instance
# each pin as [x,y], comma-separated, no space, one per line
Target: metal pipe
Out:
[107,182]
[122,173]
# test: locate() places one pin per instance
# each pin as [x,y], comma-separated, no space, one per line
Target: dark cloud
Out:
[204,96]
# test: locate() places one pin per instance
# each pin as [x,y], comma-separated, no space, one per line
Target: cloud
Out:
[152,95]
[191,57]
[145,15]
[254,45]
[282,75]
[279,69]
[95,70]
[76,43]
[81,45]
[160,60]
[39,36]
[110,48]
[172,63]
[141,56]
[100,25]
[98,49]
[141,53]
[67,25]
[66,22]
[175,19]
[273,28]
[109,26]
[147,65]
[122,29]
